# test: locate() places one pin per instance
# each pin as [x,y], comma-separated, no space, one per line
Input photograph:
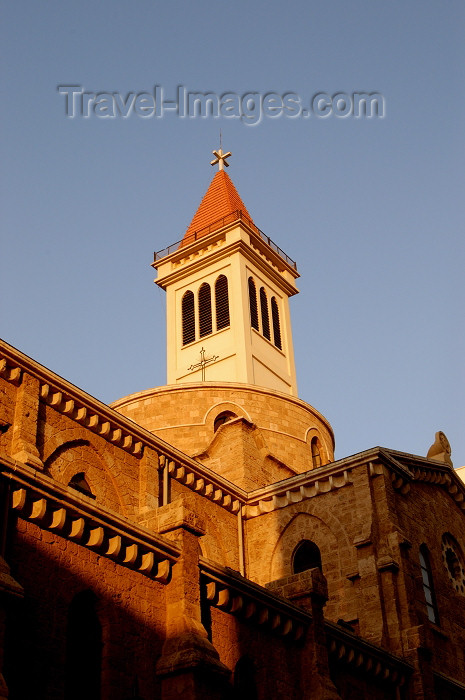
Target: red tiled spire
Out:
[220,199]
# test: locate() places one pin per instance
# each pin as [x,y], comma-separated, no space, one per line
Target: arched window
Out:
[222,302]
[275,321]
[205,310]
[316,452]
[188,318]
[264,313]
[83,649]
[224,417]
[306,556]
[245,685]
[79,483]
[253,304]
[427,580]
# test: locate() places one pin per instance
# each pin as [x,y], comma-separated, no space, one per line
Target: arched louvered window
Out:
[316,452]
[83,649]
[253,304]
[188,318]
[264,313]
[222,302]
[306,556]
[275,321]
[205,310]
[428,589]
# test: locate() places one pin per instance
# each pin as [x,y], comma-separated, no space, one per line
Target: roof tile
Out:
[220,200]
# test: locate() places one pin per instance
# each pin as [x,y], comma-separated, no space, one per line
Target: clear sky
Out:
[372,210]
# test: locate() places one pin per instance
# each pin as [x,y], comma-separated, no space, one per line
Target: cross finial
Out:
[220,158]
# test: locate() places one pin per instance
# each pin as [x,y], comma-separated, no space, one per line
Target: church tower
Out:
[228,287]
[231,395]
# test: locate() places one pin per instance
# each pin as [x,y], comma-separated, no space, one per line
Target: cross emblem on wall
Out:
[204,361]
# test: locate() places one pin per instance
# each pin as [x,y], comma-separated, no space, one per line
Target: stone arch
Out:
[311,434]
[78,455]
[59,439]
[61,448]
[306,555]
[223,407]
[222,418]
[329,537]
[302,526]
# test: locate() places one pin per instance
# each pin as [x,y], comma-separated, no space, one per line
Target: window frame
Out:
[253,304]
[315,554]
[276,324]
[188,317]
[428,584]
[204,308]
[317,460]
[265,314]
[222,303]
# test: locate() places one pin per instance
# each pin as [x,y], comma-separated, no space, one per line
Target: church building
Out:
[198,540]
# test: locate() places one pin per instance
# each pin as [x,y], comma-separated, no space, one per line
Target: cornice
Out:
[231,592]
[296,489]
[257,239]
[366,658]
[407,469]
[37,498]
[310,484]
[249,252]
[227,590]
[65,398]
[402,469]
[118,430]
[10,371]
[450,684]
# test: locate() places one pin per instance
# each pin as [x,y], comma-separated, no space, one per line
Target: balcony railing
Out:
[215,226]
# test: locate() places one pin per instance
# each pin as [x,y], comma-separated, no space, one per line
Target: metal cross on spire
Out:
[220,158]
[203,362]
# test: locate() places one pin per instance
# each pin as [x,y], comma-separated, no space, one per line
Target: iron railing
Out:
[215,226]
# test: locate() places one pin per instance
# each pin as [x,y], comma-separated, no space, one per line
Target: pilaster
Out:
[309,589]
[189,666]
[24,440]
[149,488]
[370,606]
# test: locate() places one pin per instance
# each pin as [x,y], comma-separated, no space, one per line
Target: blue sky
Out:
[372,210]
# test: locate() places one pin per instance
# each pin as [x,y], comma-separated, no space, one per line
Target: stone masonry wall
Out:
[131,610]
[220,541]
[425,514]
[184,416]
[329,520]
